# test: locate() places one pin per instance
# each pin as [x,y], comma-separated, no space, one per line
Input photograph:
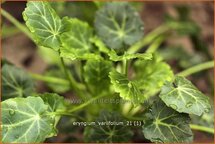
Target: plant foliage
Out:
[103,65]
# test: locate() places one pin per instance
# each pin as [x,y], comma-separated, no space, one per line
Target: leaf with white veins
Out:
[26,120]
[118,25]
[183,96]
[44,24]
[163,124]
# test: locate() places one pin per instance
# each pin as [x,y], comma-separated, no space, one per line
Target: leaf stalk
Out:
[197,68]
[202,128]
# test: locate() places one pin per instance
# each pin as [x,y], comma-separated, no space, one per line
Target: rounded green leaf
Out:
[15,82]
[183,96]
[127,90]
[118,25]
[108,133]
[96,75]
[166,125]
[26,120]
[44,24]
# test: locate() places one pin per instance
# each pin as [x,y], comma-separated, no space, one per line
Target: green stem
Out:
[154,46]
[74,85]
[68,114]
[49,79]
[202,128]
[197,68]
[125,67]
[148,39]
[67,73]
[85,104]
[16,23]
[53,80]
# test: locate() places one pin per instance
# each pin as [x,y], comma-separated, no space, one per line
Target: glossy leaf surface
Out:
[26,120]
[43,22]
[183,96]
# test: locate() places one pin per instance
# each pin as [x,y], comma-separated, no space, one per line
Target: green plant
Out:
[102,62]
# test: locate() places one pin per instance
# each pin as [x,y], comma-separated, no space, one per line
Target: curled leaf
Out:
[151,75]
[127,89]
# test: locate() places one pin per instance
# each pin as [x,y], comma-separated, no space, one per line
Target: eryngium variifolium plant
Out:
[105,64]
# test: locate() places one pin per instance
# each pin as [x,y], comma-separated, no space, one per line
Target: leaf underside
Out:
[183,96]
[118,25]
[164,124]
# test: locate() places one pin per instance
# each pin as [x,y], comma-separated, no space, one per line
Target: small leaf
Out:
[76,42]
[151,75]
[113,55]
[96,75]
[44,24]
[99,43]
[167,125]
[127,90]
[126,56]
[183,96]
[15,82]
[101,132]
[26,120]
[56,103]
[118,25]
